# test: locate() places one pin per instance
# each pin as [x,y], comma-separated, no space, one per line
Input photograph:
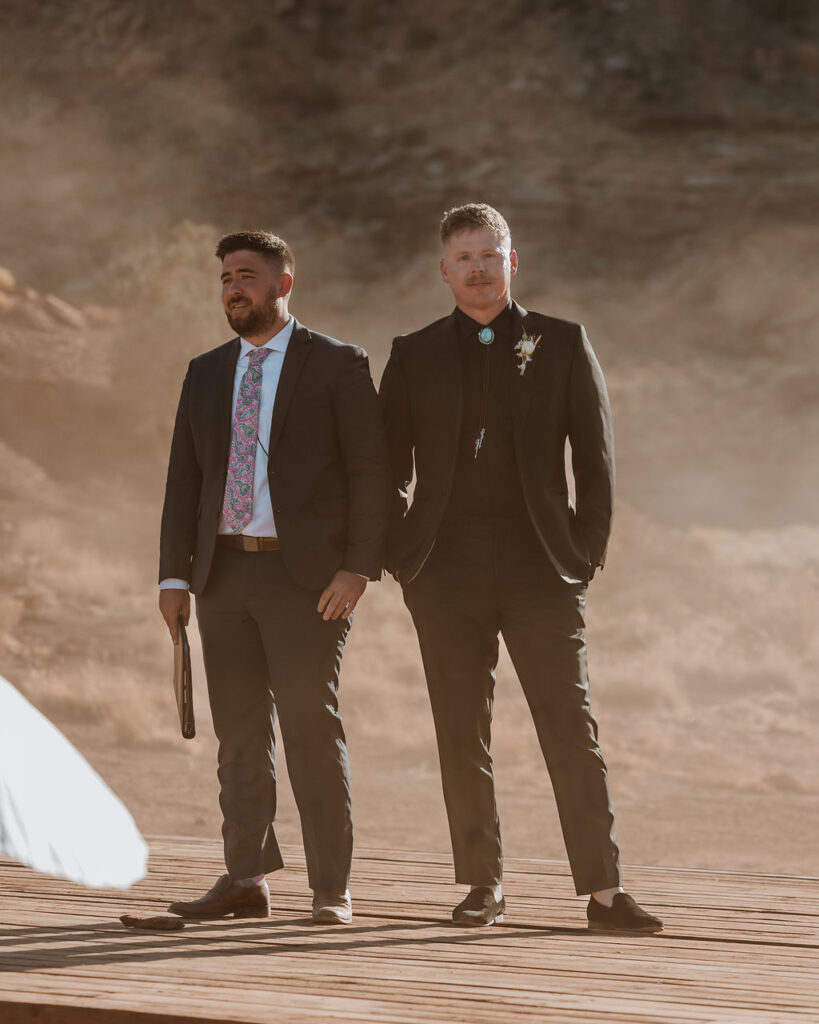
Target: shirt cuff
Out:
[173,584]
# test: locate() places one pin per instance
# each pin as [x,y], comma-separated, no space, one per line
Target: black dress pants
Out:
[267,651]
[483,578]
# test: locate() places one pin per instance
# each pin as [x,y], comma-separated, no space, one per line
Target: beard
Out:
[250,320]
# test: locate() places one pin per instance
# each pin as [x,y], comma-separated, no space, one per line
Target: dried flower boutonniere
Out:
[525,349]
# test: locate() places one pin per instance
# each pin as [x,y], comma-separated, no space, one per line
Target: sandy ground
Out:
[701,666]
[711,765]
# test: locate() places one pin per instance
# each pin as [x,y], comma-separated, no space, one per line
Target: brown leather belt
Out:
[244,543]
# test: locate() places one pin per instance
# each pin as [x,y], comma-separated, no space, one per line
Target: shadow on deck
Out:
[736,947]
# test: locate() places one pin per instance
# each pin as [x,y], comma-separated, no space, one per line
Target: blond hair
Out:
[472,216]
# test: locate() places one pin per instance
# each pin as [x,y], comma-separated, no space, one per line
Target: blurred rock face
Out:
[616,131]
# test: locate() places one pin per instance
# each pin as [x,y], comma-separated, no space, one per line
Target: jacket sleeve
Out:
[361,439]
[182,491]
[591,436]
[393,398]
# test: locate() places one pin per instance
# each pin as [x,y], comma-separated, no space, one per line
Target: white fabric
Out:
[606,896]
[56,814]
[173,584]
[262,524]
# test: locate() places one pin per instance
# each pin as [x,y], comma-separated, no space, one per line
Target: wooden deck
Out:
[737,948]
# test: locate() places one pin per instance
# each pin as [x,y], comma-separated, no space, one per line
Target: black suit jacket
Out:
[327,466]
[561,394]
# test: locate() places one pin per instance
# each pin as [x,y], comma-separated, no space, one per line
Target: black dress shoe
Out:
[480,908]
[227,897]
[624,915]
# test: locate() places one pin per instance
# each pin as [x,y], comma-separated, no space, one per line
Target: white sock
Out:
[606,896]
[497,890]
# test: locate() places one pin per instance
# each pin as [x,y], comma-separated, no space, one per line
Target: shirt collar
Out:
[501,325]
[278,343]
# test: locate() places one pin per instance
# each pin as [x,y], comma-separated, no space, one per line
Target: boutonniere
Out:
[525,349]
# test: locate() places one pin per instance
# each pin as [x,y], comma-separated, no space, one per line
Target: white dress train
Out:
[56,814]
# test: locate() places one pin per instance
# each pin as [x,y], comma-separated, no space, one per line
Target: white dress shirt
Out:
[262,523]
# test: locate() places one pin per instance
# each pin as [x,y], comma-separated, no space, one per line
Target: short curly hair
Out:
[472,216]
[275,249]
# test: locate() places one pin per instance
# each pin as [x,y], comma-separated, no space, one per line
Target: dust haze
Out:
[659,175]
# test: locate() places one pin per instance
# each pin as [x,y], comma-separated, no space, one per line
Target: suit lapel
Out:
[297,352]
[525,383]
[451,376]
[223,405]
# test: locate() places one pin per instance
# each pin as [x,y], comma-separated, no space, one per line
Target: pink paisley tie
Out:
[237,509]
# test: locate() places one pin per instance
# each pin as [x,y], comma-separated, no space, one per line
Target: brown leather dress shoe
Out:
[479,909]
[624,915]
[227,897]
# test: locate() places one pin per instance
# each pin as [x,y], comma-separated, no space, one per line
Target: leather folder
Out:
[183,682]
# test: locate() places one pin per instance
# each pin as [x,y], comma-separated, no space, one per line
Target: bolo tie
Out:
[485,336]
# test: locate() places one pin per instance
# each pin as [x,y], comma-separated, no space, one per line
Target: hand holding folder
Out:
[183,682]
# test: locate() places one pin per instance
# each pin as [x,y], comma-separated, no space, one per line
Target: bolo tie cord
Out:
[484,397]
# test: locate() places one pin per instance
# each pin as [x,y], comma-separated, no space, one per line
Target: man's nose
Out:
[232,289]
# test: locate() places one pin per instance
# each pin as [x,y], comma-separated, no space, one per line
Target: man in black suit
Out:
[479,405]
[275,517]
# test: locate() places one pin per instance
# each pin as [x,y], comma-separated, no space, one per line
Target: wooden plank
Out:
[737,947]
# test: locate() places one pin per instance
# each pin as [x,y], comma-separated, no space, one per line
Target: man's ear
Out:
[442,265]
[286,285]
[513,262]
